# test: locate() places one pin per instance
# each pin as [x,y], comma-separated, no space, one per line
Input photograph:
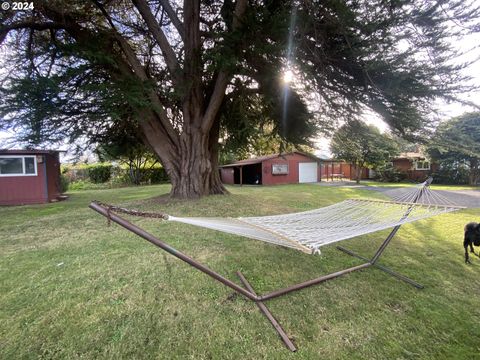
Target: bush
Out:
[105,175]
[156,175]
[451,175]
[75,172]
[99,173]
[64,183]
[388,173]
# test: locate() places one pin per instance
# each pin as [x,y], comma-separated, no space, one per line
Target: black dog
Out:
[472,237]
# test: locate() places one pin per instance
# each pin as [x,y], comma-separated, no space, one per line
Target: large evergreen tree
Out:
[177,74]
[456,144]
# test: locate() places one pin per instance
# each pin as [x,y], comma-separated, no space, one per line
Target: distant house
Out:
[415,165]
[289,168]
[29,176]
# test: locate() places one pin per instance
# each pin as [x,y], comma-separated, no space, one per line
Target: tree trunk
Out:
[193,171]
[190,159]
[191,165]
[474,171]
[358,173]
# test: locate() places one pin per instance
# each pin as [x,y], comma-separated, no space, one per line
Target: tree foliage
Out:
[179,76]
[363,146]
[456,146]
[255,141]
[129,150]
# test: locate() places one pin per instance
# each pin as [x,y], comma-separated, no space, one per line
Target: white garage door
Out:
[307,172]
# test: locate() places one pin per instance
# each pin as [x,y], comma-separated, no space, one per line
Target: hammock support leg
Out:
[383,268]
[383,246]
[171,250]
[268,314]
[312,282]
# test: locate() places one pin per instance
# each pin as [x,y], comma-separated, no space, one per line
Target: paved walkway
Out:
[468,198]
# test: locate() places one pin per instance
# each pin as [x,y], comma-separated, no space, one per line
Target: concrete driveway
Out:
[468,198]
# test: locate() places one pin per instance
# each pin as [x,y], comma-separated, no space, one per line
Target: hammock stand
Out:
[247,291]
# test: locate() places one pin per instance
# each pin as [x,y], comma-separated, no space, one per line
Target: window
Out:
[422,165]
[279,169]
[14,165]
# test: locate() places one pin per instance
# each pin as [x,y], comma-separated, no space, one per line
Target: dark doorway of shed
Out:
[248,174]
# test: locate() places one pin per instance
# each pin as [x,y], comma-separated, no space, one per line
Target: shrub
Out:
[451,175]
[99,173]
[75,172]
[64,183]
[157,175]
[388,173]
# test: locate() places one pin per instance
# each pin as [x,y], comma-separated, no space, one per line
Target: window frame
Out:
[23,157]
[423,163]
[276,169]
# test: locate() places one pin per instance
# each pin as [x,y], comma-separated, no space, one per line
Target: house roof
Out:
[27,152]
[259,159]
[410,156]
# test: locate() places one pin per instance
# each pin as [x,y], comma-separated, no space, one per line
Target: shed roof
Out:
[27,152]
[259,159]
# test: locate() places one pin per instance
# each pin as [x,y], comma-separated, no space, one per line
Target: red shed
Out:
[29,176]
[291,168]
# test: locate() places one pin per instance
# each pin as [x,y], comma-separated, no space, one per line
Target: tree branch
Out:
[4,30]
[173,17]
[83,36]
[139,70]
[161,39]
[193,68]
[223,76]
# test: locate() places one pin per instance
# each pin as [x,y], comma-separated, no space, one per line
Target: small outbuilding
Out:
[290,168]
[29,176]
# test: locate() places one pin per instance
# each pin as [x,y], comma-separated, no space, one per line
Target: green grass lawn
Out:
[71,287]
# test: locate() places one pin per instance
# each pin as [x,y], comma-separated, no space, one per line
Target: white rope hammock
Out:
[309,230]
[306,231]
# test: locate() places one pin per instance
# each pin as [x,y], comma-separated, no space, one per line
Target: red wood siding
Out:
[230,175]
[347,170]
[53,175]
[403,165]
[19,190]
[407,166]
[363,176]
[330,167]
[292,177]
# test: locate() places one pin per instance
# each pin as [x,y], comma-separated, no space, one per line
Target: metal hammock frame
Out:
[247,291]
